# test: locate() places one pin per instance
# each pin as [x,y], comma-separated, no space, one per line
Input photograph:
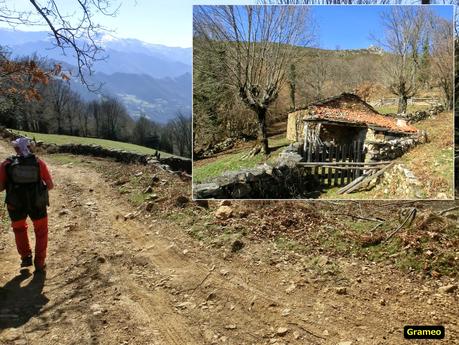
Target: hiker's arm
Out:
[45,175]
[2,176]
[49,184]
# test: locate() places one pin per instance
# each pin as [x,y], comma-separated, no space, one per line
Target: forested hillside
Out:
[219,112]
[38,95]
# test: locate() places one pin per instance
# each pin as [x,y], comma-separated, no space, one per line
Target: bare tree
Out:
[405,30]
[74,112]
[84,119]
[72,28]
[180,128]
[317,72]
[113,115]
[60,95]
[259,43]
[442,58]
[94,109]
[143,130]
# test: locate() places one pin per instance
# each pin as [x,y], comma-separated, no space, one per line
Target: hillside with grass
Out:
[109,144]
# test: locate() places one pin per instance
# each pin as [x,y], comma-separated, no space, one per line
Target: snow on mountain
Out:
[149,78]
[123,55]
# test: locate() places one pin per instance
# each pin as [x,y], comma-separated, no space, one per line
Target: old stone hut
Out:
[345,120]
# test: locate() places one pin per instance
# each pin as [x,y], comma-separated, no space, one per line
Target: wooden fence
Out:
[413,100]
[335,165]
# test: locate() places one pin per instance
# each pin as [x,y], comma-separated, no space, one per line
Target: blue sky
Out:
[349,27]
[169,22]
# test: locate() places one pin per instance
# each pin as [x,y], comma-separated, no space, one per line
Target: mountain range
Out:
[149,78]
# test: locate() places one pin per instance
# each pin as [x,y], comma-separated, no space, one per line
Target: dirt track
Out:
[144,281]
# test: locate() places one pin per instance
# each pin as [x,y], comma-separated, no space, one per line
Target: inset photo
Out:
[293,102]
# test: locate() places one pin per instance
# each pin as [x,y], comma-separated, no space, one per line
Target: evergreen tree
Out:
[424,68]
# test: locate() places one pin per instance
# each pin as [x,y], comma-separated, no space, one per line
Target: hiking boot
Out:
[40,269]
[27,261]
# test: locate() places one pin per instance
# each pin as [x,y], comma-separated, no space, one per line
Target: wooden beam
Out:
[353,183]
[369,178]
[342,123]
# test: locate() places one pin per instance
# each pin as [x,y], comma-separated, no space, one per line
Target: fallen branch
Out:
[202,282]
[410,216]
[442,212]
[360,217]
[375,227]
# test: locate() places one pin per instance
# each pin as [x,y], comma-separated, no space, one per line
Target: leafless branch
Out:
[258,44]
[74,31]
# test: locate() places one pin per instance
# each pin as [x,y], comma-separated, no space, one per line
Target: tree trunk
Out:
[59,124]
[448,93]
[96,119]
[292,95]
[402,104]
[71,125]
[85,127]
[262,130]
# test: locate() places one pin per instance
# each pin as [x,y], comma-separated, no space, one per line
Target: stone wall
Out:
[213,149]
[422,114]
[283,181]
[400,182]
[287,180]
[391,149]
[171,163]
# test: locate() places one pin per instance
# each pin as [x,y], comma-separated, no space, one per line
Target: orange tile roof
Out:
[358,117]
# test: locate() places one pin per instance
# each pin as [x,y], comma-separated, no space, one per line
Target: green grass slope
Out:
[110,144]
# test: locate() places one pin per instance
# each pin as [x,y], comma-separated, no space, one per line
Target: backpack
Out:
[24,170]
[24,188]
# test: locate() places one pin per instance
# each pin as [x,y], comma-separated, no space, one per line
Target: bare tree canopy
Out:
[442,58]
[180,130]
[73,30]
[258,44]
[405,30]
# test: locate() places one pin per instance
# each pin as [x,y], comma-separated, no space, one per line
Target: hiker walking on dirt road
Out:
[27,181]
